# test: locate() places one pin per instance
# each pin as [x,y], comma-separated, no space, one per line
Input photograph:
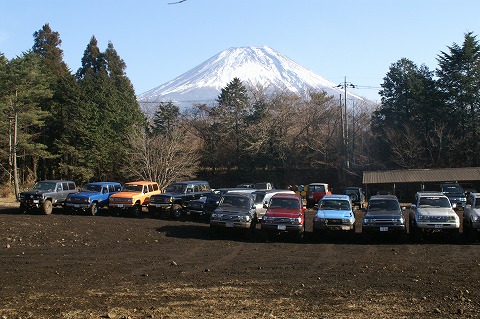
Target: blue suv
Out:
[92,197]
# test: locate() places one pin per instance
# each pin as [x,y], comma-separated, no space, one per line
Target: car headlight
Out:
[296,221]
[245,218]
[268,219]
[215,216]
[452,218]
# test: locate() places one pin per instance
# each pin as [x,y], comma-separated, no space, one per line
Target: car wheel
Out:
[23,209]
[177,211]
[47,207]
[353,197]
[94,209]
[137,210]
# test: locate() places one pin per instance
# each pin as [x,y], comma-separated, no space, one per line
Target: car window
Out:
[289,203]
[317,188]
[382,205]
[335,204]
[433,202]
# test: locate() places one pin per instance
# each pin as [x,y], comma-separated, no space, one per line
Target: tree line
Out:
[87,125]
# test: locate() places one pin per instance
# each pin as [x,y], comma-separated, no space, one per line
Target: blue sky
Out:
[355,39]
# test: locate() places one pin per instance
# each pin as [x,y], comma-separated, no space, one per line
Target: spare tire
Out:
[353,197]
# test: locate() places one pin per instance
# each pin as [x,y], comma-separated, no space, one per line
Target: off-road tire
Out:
[176,211]
[47,207]
[137,210]
[93,209]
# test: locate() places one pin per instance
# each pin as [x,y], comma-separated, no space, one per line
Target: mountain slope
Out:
[255,66]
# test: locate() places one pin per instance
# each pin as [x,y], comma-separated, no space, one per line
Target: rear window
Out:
[316,188]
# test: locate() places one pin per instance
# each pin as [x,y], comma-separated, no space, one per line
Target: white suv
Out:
[432,212]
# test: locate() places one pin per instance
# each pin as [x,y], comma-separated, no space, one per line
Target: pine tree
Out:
[459,82]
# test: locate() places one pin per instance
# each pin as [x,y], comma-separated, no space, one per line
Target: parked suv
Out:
[262,199]
[384,215]
[432,212]
[455,193]
[174,202]
[235,211]
[335,213]
[356,196]
[92,197]
[133,197]
[315,192]
[46,195]
[471,217]
[285,214]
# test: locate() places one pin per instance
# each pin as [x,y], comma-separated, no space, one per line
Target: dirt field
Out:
[72,266]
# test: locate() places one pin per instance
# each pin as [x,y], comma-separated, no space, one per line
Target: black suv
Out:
[45,195]
[384,215]
[174,201]
[455,193]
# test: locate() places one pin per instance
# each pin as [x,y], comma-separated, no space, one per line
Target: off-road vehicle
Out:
[133,197]
[174,202]
[92,197]
[45,195]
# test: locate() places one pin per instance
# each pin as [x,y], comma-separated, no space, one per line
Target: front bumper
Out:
[162,207]
[230,224]
[77,205]
[121,205]
[325,225]
[384,228]
[282,227]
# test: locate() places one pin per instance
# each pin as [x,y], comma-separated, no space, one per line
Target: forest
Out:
[87,125]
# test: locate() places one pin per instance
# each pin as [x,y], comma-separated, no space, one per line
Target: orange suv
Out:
[133,197]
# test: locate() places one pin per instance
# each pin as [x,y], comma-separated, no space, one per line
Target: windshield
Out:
[289,203]
[176,188]
[335,204]
[434,202]
[316,188]
[132,188]
[235,201]
[92,188]
[44,186]
[383,205]
[452,189]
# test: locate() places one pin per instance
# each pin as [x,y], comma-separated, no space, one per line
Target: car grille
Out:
[76,199]
[438,218]
[121,200]
[384,221]
[196,205]
[334,221]
[233,218]
[160,200]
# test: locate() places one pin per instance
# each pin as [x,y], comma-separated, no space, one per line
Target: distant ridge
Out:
[254,66]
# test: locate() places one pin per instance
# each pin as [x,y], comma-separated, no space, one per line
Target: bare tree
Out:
[163,159]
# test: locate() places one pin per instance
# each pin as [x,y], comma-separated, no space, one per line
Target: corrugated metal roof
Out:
[422,175]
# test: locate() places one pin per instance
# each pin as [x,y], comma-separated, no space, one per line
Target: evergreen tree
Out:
[63,102]
[22,88]
[165,118]
[459,82]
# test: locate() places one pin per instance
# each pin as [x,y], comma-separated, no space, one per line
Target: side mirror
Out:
[413,206]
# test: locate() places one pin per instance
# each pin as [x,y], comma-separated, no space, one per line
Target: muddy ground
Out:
[74,266]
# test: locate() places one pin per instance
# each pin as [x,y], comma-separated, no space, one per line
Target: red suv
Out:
[285,214]
[315,192]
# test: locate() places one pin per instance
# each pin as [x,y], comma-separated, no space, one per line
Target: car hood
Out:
[237,211]
[282,212]
[435,211]
[36,192]
[84,194]
[126,194]
[332,213]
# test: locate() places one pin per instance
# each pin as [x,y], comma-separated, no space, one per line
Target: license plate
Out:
[120,205]
[383,228]
[281,227]
[438,226]
[76,205]
[229,225]
[158,205]
[35,201]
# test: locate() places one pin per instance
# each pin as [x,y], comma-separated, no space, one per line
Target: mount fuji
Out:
[254,66]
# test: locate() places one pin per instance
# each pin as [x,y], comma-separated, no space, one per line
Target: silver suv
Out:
[432,212]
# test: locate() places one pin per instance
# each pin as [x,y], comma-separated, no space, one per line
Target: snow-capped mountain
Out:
[254,66]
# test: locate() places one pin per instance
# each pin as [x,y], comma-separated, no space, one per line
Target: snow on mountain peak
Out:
[254,66]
